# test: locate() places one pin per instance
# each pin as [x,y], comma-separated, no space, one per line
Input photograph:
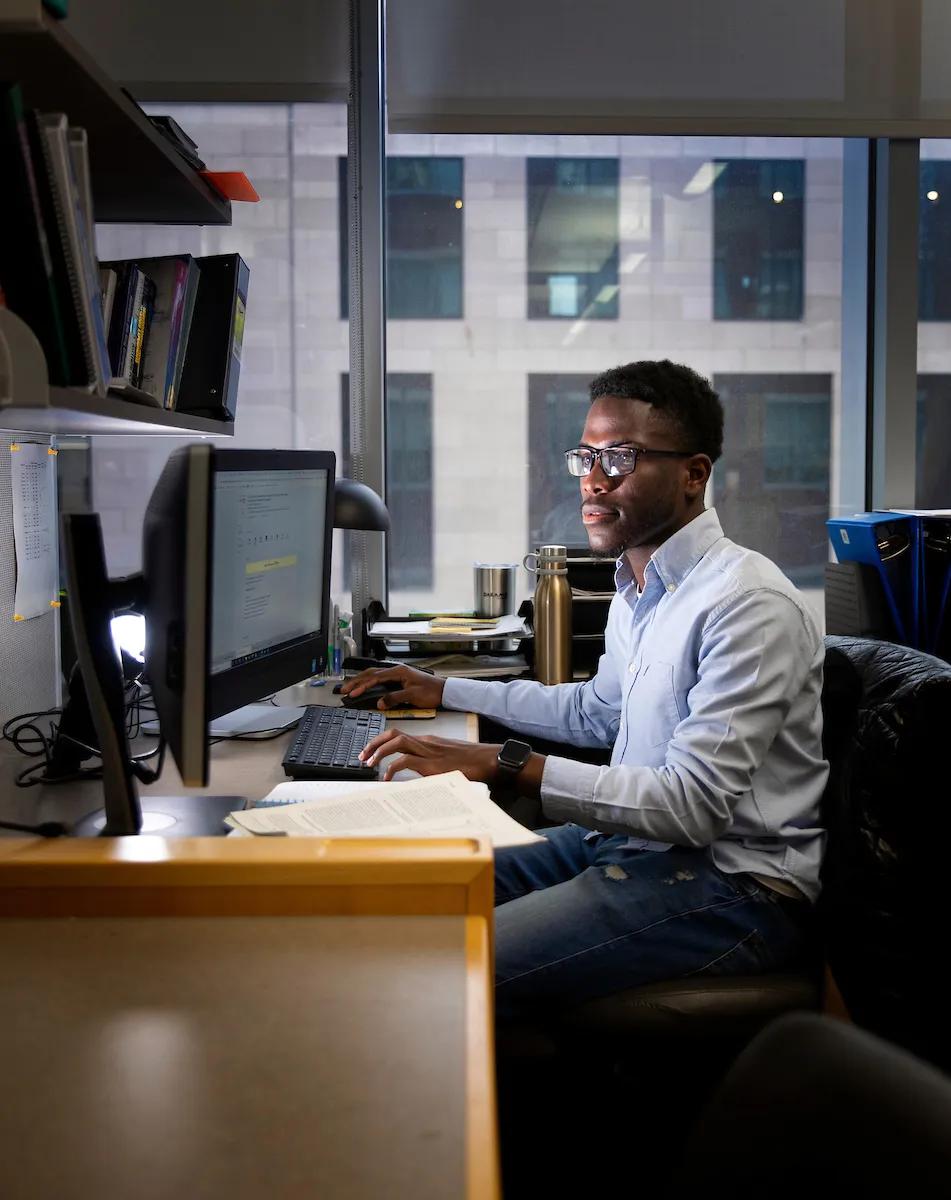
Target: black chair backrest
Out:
[814,1106]
[885,904]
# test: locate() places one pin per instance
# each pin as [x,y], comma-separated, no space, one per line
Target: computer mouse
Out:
[369,698]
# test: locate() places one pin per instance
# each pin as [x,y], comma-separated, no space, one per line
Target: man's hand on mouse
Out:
[418,688]
[432,755]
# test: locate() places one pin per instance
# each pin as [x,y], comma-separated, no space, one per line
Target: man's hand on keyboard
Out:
[418,689]
[432,755]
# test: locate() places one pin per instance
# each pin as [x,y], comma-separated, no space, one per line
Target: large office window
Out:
[934,241]
[409,476]
[771,487]
[557,408]
[933,409]
[630,219]
[424,222]
[758,239]
[573,237]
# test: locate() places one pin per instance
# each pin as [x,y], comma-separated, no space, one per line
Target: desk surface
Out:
[146,1058]
[239,768]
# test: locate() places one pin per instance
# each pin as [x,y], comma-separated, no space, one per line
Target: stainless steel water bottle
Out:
[552,614]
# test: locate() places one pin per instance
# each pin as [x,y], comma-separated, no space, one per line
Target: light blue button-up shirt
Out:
[708,692]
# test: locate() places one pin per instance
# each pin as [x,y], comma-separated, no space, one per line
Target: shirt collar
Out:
[677,557]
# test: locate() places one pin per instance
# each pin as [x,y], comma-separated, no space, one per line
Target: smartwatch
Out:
[512,757]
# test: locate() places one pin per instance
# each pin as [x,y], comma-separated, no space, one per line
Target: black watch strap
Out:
[512,757]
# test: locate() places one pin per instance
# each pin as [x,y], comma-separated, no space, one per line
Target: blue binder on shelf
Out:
[889,543]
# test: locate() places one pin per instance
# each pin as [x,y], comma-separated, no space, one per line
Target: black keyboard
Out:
[328,741]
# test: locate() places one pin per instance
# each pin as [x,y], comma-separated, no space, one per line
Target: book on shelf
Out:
[150,326]
[48,266]
[108,279]
[78,145]
[186,147]
[209,382]
[77,256]
[130,318]
[176,286]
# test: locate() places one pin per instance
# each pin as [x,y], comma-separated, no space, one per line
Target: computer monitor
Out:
[235,588]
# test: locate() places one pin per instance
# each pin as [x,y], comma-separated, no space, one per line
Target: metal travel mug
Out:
[494,589]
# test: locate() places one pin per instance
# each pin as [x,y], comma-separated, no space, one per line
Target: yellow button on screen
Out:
[270,564]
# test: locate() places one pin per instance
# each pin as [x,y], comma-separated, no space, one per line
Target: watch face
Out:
[515,754]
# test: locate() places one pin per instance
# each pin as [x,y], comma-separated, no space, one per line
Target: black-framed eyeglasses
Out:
[614,460]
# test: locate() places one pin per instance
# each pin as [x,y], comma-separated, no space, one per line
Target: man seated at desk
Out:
[697,850]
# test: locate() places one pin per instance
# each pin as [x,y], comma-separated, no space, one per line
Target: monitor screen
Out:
[267,563]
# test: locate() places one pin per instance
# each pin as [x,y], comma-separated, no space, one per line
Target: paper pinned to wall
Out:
[34,529]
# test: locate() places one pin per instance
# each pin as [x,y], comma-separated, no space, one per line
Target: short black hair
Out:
[685,398]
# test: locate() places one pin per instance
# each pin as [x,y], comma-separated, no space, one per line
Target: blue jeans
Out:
[577,919]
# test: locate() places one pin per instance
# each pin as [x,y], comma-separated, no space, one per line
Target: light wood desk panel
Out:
[254,1054]
[247,1058]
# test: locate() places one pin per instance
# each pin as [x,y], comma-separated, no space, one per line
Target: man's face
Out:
[625,511]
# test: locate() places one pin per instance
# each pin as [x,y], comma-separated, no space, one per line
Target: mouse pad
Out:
[410,714]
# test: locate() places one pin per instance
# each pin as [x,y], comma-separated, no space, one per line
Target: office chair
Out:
[815,1105]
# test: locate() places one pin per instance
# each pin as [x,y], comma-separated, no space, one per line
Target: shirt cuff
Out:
[464,695]
[567,788]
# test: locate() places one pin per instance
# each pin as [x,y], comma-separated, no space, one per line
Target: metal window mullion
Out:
[366,217]
[894,323]
[851,476]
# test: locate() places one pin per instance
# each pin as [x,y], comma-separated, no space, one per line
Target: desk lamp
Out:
[357,506]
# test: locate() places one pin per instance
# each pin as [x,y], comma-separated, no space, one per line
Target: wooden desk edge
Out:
[229,876]
[482,1136]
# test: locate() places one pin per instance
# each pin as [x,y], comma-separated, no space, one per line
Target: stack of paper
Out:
[463,624]
[436,806]
[421,631]
[473,666]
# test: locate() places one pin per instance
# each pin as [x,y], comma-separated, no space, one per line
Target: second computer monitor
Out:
[236,559]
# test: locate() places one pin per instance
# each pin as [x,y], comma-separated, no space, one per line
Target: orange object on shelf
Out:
[233,185]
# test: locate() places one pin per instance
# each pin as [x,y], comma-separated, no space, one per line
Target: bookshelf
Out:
[136,173]
[75,413]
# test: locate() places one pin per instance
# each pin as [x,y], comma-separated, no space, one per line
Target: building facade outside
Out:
[518,268]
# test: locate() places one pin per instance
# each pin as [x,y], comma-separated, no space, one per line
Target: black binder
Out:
[209,386]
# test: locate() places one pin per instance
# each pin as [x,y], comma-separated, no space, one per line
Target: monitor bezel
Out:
[250,681]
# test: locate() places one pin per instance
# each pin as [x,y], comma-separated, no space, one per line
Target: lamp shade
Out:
[357,506]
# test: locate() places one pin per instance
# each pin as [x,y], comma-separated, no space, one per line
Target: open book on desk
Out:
[446,805]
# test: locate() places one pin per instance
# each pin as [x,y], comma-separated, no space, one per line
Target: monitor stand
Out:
[94,599]
[171,816]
